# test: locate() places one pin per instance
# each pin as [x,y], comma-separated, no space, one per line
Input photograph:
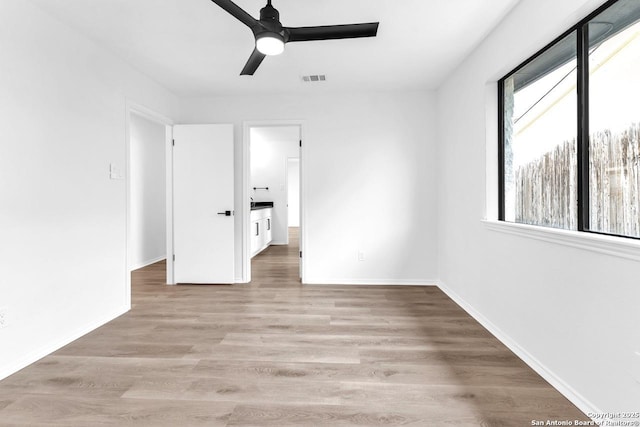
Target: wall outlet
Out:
[635,366]
[4,321]
[361,256]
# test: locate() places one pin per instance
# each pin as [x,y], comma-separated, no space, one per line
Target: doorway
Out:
[273,181]
[148,137]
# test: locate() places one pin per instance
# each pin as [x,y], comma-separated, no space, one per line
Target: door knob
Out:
[225,213]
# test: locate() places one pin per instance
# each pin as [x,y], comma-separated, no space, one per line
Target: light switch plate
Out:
[4,321]
[115,172]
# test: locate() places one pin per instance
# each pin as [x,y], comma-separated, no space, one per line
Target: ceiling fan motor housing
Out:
[269,13]
[270,20]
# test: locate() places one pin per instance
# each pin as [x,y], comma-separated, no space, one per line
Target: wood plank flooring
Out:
[276,353]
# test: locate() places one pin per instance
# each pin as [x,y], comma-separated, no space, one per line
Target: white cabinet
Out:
[260,230]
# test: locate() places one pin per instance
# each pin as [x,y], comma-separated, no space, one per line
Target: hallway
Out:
[276,353]
[278,266]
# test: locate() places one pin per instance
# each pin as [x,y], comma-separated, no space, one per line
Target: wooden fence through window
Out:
[546,188]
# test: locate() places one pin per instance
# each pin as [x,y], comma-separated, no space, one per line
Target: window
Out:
[570,129]
[540,122]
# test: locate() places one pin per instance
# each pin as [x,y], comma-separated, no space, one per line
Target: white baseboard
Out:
[259,251]
[371,282]
[36,355]
[143,264]
[558,383]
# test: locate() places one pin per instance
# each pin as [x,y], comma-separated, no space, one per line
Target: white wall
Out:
[573,311]
[293,192]
[148,192]
[270,148]
[62,220]
[370,180]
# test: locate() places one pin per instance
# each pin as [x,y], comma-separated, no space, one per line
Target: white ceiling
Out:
[194,48]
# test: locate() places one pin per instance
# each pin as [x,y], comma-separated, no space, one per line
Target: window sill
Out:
[610,245]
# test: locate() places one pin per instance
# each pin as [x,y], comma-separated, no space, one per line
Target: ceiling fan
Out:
[271,36]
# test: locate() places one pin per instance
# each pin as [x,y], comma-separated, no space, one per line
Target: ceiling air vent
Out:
[314,78]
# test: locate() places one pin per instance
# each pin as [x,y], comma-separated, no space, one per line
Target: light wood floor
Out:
[275,353]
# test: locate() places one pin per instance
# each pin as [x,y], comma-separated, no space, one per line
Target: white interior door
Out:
[203,221]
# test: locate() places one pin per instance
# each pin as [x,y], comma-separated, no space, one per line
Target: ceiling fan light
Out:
[270,44]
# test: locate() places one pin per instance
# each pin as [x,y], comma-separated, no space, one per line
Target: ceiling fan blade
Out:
[237,12]
[330,32]
[253,63]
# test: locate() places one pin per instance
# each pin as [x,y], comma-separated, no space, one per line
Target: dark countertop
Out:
[261,205]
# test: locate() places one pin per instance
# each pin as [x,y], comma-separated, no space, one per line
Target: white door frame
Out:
[149,114]
[286,174]
[246,191]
